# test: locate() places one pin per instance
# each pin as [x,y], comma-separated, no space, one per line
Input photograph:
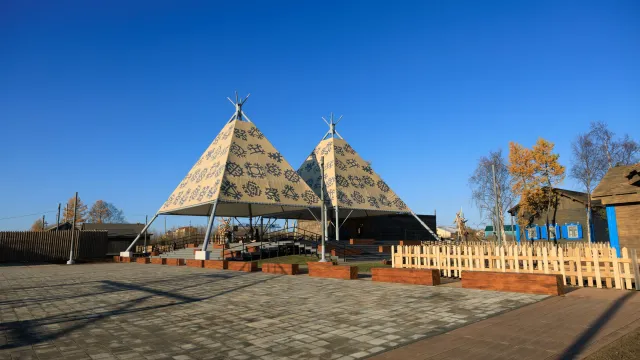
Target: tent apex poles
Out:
[142,232]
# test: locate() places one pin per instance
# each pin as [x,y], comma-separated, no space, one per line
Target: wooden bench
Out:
[246,266]
[362,241]
[194,263]
[159,261]
[410,242]
[174,262]
[406,276]
[143,260]
[543,284]
[284,269]
[345,252]
[215,264]
[384,248]
[328,270]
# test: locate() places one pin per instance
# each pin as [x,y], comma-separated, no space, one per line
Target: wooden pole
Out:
[58,218]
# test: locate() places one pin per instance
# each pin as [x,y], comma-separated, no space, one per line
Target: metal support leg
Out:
[207,234]
[127,253]
[425,226]
[337,224]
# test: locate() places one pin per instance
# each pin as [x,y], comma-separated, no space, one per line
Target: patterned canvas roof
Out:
[350,181]
[239,168]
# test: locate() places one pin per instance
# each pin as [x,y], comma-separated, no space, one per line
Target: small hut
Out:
[619,191]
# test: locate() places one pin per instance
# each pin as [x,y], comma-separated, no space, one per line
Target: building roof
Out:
[578,196]
[116,230]
[621,184]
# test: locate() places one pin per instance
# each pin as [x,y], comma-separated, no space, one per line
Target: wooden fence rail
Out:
[596,266]
[51,246]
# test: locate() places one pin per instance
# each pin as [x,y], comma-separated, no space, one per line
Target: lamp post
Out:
[73,230]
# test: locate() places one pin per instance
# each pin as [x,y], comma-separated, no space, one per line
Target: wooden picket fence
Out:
[51,246]
[594,266]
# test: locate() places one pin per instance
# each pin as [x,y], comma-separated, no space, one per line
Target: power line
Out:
[21,216]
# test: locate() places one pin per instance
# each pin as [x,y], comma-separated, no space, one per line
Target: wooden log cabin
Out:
[619,191]
[568,219]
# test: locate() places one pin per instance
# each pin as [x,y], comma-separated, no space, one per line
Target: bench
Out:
[328,270]
[384,248]
[143,260]
[215,264]
[406,276]
[542,284]
[345,252]
[284,269]
[410,242]
[246,266]
[159,261]
[194,263]
[362,241]
[174,262]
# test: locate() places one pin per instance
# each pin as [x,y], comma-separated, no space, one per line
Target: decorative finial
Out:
[239,114]
[332,127]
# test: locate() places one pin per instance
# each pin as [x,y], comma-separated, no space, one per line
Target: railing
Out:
[581,265]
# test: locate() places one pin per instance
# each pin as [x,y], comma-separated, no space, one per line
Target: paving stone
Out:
[133,311]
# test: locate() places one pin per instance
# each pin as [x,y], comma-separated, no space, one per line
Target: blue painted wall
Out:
[614,241]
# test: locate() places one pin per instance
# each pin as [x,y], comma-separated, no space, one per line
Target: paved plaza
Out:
[135,311]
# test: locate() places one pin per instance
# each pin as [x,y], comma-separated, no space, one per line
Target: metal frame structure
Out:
[238,115]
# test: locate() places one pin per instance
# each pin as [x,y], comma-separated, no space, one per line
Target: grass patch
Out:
[366,267]
[290,259]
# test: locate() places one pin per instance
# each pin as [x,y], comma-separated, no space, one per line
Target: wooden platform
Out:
[127,259]
[328,270]
[143,260]
[543,284]
[159,261]
[215,264]
[284,269]
[246,266]
[362,241]
[407,276]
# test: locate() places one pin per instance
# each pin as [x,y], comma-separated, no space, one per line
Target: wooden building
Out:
[619,191]
[381,227]
[569,210]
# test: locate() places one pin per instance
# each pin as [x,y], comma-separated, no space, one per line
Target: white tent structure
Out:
[353,188]
[240,174]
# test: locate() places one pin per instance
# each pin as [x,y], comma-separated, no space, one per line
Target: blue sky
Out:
[118,99]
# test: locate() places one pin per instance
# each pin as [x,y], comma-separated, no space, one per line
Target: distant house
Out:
[120,235]
[511,232]
[182,231]
[568,219]
[619,191]
[446,232]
